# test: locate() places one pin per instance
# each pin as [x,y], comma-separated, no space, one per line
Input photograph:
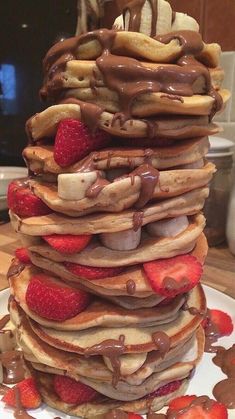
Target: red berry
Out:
[73,392]
[221,320]
[167,389]
[132,415]
[28,392]
[173,276]
[46,297]
[67,243]
[23,255]
[89,272]
[22,201]
[184,408]
[74,141]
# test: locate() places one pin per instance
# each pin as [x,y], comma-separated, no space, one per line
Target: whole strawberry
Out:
[22,201]
[74,141]
[73,392]
[47,298]
[28,393]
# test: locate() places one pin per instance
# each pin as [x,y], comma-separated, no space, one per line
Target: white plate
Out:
[207,374]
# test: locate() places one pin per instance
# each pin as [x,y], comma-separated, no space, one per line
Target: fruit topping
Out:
[173,276]
[74,141]
[22,201]
[68,243]
[73,392]
[47,298]
[90,272]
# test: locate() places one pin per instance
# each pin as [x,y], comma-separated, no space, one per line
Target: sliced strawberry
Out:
[74,141]
[89,272]
[192,407]
[73,392]
[221,320]
[132,415]
[68,243]
[22,201]
[167,389]
[46,297]
[23,255]
[173,276]
[28,392]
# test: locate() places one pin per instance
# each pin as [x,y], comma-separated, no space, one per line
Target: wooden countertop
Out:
[219,271]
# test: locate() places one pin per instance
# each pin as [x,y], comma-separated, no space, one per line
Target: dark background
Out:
[21,52]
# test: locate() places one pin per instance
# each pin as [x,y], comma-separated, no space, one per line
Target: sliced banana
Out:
[168,228]
[73,186]
[184,22]
[164,17]
[123,240]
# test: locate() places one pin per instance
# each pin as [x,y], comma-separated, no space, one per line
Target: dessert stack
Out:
[107,303]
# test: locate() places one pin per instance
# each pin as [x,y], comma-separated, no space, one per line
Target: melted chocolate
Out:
[15,269]
[171,284]
[19,411]
[94,190]
[202,401]
[149,177]
[225,359]
[131,287]
[162,342]
[212,335]
[4,321]
[138,220]
[13,367]
[90,113]
[224,392]
[193,310]
[116,414]
[112,349]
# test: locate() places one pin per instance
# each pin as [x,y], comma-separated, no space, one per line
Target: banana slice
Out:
[164,17]
[123,240]
[168,228]
[184,22]
[73,186]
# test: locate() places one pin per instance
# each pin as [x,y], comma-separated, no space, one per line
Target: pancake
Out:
[188,203]
[137,340]
[40,158]
[150,248]
[80,74]
[115,286]
[45,124]
[98,313]
[125,192]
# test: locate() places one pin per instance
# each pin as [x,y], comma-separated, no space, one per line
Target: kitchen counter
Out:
[219,271]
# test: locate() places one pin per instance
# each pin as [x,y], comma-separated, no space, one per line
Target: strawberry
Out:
[89,272]
[28,392]
[221,320]
[68,243]
[167,389]
[74,141]
[72,391]
[23,255]
[173,276]
[53,301]
[132,415]
[191,407]
[22,201]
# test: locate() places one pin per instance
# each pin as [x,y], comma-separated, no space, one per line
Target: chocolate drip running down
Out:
[138,217]
[127,76]
[13,366]
[162,342]
[135,8]
[131,287]
[20,412]
[149,177]
[112,349]
[171,284]
[212,335]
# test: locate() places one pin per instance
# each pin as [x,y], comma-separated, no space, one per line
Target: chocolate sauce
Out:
[15,269]
[162,342]
[149,177]
[173,97]
[116,414]
[131,287]
[224,392]
[138,220]
[19,411]
[225,359]
[4,321]
[90,113]
[193,310]
[13,367]
[112,349]
[212,335]
[171,284]
[94,190]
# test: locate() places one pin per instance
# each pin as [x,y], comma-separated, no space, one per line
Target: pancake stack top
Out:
[111,214]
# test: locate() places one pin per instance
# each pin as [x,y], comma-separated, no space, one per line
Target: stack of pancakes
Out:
[155,93]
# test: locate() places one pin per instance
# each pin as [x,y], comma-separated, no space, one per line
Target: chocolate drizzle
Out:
[212,335]
[131,287]
[4,321]
[19,411]
[149,177]
[137,220]
[205,402]
[15,269]
[13,367]
[171,284]
[134,8]
[112,349]
[162,342]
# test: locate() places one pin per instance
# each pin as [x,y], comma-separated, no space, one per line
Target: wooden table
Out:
[219,271]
